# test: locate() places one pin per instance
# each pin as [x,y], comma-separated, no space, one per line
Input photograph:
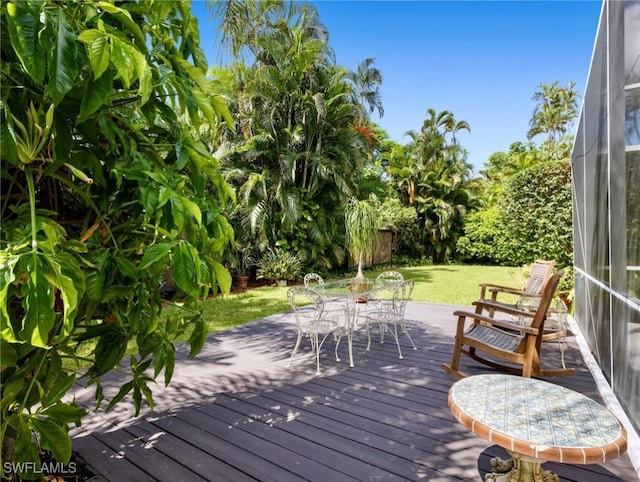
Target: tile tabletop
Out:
[537,418]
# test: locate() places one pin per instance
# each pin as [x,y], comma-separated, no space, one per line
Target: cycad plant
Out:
[362,226]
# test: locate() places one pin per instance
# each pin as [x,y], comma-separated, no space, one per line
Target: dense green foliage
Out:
[533,220]
[432,175]
[486,238]
[402,221]
[526,191]
[103,187]
[296,152]
[537,211]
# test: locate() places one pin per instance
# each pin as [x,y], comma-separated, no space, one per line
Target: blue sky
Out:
[480,60]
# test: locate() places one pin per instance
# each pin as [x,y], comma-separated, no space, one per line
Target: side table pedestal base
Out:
[519,468]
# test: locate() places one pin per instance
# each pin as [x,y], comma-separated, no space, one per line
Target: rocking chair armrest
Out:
[502,308]
[505,289]
[485,320]
[493,287]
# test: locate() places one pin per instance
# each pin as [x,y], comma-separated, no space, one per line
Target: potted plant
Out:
[361,222]
[242,264]
[279,266]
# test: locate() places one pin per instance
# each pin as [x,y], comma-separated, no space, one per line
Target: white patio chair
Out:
[312,278]
[387,311]
[312,321]
[331,307]
[390,276]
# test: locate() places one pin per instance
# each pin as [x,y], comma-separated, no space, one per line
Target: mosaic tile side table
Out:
[536,422]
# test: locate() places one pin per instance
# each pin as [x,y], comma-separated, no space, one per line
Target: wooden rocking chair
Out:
[505,339]
[541,271]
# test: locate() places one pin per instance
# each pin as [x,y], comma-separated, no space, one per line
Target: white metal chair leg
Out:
[406,332]
[394,333]
[337,340]
[315,338]
[295,349]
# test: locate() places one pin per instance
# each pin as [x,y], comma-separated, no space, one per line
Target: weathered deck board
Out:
[238,413]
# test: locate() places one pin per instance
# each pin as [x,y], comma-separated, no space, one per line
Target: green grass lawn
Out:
[448,284]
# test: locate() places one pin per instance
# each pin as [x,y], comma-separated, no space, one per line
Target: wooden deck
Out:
[237,413]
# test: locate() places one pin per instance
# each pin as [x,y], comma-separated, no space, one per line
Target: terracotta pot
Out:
[241,283]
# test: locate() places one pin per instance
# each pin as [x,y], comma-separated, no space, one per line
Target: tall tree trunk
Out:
[360,261]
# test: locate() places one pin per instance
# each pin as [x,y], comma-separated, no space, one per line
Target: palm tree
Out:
[556,109]
[245,22]
[434,179]
[366,82]
[361,222]
[296,155]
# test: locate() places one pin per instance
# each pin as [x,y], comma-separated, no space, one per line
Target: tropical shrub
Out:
[538,214]
[483,231]
[103,188]
[279,265]
[532,221]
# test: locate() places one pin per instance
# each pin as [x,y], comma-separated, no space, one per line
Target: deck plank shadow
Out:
[237,413]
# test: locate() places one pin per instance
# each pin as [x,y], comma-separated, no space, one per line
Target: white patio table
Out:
[353,293]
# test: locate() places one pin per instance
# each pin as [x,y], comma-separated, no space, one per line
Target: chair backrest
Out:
[311,278]
[548,293]
[393,297]
[390,276]
[307,304]
[405,294]
[541,271]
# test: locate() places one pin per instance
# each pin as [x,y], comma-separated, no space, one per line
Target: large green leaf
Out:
[223,277]
[177,213]
[58,390]
[26,450]
[126,60]
[7,276]
[65,413]
[125,17]
[155,253]
[184,270]
[54,438]
[23,22]
[220,107]
[96,95]
[99,50]
[63,63]
[11,388]
[198,337]
[65,274]
[37,302]
[109,351]
[7,143]
[192,208]
[94,280]
[8,354]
